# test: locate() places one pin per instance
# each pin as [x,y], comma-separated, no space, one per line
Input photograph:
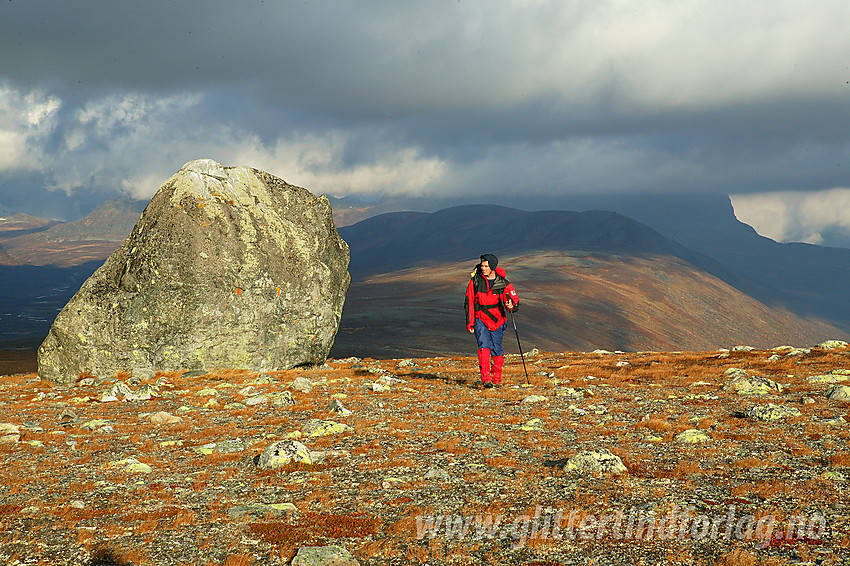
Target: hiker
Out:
[488,294]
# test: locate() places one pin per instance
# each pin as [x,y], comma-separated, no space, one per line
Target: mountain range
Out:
[660,273]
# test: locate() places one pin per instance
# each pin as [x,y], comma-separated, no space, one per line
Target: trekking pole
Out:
[520,347]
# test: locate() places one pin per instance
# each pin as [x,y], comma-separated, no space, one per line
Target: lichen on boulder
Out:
[227,267]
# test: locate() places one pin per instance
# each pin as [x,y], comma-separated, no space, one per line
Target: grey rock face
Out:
[227,267]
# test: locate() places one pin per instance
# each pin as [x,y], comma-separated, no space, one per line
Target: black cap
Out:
[492,260]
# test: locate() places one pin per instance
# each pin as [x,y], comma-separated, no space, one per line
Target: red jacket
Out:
[488,298]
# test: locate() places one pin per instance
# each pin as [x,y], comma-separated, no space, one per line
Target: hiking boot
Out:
[488,384]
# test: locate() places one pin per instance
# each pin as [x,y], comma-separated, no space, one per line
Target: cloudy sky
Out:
[432,98]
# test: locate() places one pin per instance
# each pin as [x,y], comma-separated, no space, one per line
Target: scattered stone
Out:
[318,427]
[95,423]
[533,424]
[68,417]
[834,421]
[380,387]
[223,447]
[745,384]
[832,344]
[162,418]
[797,352]
[771,412]
[264,379]
[249,391]
[338,407]
[437,474]
[774,358]
[390,482]
[602,352]
[262,510]
[622,364]
[323,556]
[828,378]
[130,465]
[9,432]
[256,400]
[206,392]
[283,452]
[142,373]
[535,399]
[407,364]
[742,348]
[841,392]
[282,399]
[301,384]
[593,461]
[571,392]
[193,373]
[144,393]
[692,436]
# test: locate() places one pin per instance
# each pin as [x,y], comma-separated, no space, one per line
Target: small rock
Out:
[533,424]
[338,407]
[163,417]
[407,364]
[249,391]
[283,452]
[692,436]
[380,387]
[602,461]
[95,423]
[834,421]
[808,401]
[262,510]
[535,399]
[282,399]
[265,378]
[323,556]
[744,384]
[771,412]
[142,373]
[742,348]
[68,417]
[437,474]
[223,447]
[301,384]
[827,378]
[318,427]
[130,465]
[9,432]
[77,504]
[832,344]
[256,400]
[841,392]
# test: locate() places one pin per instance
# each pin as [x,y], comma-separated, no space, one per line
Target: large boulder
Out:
[227,267]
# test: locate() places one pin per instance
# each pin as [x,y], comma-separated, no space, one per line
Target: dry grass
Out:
[371,498]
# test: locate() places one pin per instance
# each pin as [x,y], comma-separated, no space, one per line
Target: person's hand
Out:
[510,304]
[471,330]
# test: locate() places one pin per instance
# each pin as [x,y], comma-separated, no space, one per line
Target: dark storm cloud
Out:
[430,98]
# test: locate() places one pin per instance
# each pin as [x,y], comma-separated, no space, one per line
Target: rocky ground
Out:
[729,457]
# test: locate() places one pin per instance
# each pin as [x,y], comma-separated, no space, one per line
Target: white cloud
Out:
[25,121]
[795,216]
